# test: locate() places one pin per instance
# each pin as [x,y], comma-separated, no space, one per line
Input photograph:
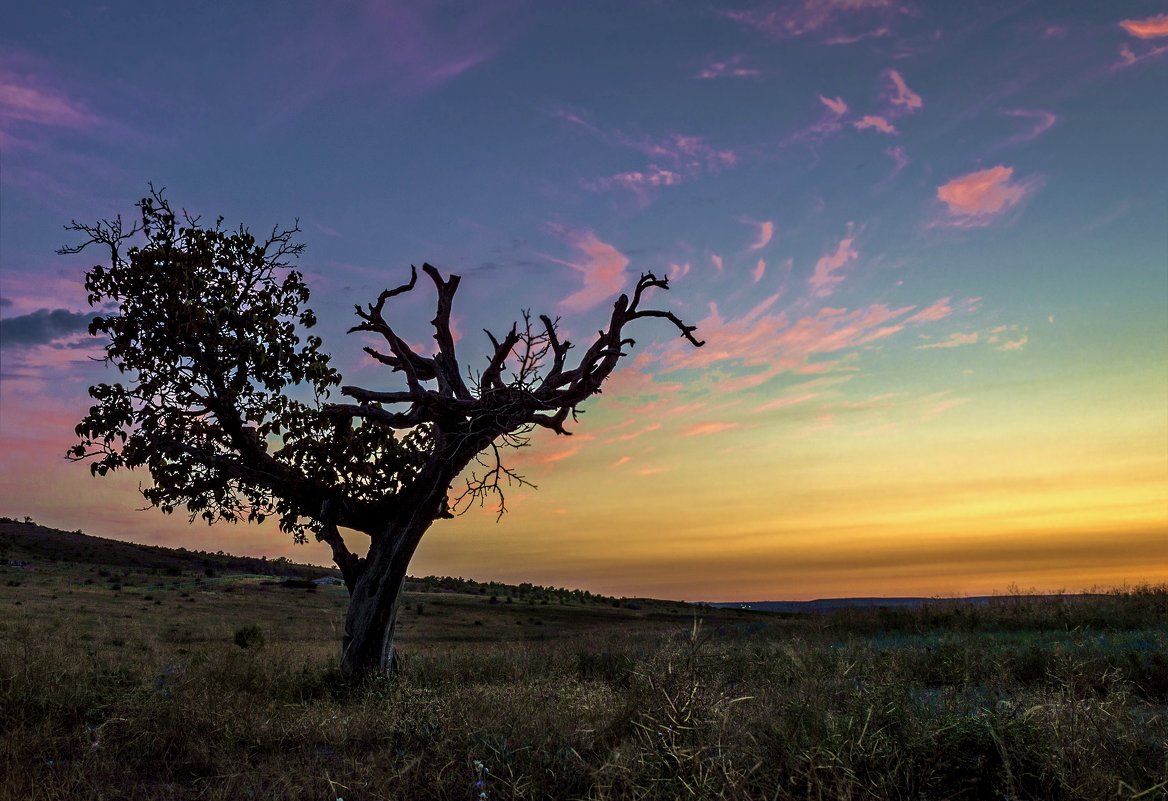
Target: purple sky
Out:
[926,243]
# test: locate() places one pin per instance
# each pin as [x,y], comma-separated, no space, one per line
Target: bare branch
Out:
[447,371]
[686,330]
[492,482]
[492,376]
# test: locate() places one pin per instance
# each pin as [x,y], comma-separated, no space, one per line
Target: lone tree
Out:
[207,330]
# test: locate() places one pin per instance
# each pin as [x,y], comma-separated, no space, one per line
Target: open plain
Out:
[143,673]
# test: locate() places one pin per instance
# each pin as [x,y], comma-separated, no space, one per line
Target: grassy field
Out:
[154,675]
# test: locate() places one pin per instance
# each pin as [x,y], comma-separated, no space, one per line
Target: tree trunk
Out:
[376,592]
[367,646]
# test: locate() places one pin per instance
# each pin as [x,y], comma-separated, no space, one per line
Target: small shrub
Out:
[250,636]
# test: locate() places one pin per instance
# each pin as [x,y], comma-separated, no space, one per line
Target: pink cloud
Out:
[707,429]
[766,232]
[1043,121]
[938,311]
[603,270]
[784,20]
[1153,27]
[904,97]
[674,158]
[638,433]
[1129,57]
[410,47]
[826,276]
[875,33]
[558,456]
[716,260]
[769,340]
[874,121]
[837,105]
[898,156]
[678,271]
[1015,344]
[690,152]
[22,101]
[955,340]
[782,403]
[730,68]
[638,181]
[977,198]
[759,271]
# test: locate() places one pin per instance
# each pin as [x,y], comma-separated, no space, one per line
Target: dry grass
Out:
[141,692]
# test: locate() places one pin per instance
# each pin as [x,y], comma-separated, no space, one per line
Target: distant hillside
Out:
[27,542]
[32,543]
[825,605]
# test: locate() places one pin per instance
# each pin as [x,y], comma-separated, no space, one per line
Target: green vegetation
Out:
[151,692]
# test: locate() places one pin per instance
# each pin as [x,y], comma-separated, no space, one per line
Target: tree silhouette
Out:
[207,329]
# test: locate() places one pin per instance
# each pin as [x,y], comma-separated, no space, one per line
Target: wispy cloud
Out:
[766,232]
[827,275]
[1040,122]
[874,121]
[23,101]
[784,401]
[769,339]
[955,340]
[875,33]
[672,159]
[899,157]
[687,152]
[409,47]
[978,198]
[1129,57]
[733,67]
[759,271]
[785,20]
[638,181]
[902,96]
[836,104]
[602,269]
[709,428]
[34,105]
[560,455]
[937,311]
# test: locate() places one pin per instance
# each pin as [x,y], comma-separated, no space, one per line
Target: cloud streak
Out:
[602,268]
[1040,122]
[729,68]
[786,20]
[828,269]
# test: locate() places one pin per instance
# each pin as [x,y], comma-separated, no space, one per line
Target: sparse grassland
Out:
[139,683]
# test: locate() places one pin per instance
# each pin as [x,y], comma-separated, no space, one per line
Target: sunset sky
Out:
[926,243]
